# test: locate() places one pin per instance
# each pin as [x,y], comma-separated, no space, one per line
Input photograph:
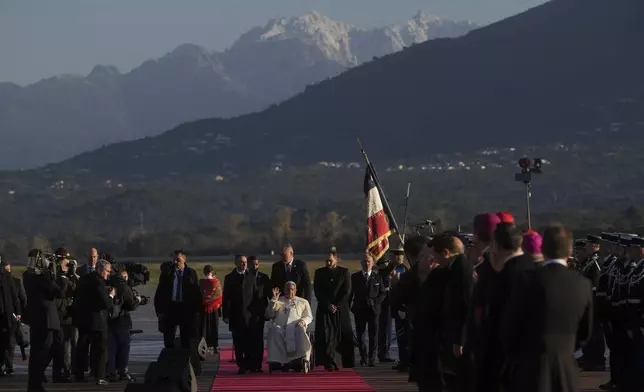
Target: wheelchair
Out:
[298,365]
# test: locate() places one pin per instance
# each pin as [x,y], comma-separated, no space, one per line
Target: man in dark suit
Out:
[405,300]
[261,284]
[91,305]
[11,307]
[459,283]
[365,298]
[92,260]
[509,265]
[178,303]
[547,317]
[291,270]
[44,323]
[244,306]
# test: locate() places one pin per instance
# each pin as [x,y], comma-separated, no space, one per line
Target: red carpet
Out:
[318,380]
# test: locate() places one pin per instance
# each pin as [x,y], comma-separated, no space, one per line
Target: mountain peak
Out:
[189,50]
[101,72]
[424,17]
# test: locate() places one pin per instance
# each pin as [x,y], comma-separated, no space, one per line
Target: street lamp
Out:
[528,167]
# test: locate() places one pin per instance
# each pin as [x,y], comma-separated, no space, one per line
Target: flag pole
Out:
[385,203]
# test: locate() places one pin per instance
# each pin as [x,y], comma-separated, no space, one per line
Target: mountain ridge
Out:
[62,116]
[548,72]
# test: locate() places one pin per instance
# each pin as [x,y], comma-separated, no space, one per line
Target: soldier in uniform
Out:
[593,359]
[634,370]
[603,305]
[618,292]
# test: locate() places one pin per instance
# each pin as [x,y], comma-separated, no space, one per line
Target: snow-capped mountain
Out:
[350,45]
[63,116]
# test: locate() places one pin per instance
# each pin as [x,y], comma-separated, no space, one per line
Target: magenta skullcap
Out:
[532,243]
[484,225]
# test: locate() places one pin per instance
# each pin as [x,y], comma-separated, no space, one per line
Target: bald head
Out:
[93,256]
[447,246]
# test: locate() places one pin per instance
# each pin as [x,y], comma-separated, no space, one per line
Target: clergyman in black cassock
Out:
[333,331]
[546,319]
[365,298]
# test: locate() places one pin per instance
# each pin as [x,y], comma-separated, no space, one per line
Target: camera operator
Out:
[119,326]
[42,315]
[91,304]
[66,267]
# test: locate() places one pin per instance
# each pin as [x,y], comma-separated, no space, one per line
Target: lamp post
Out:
[528,167]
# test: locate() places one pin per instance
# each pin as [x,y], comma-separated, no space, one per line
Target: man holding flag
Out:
[378,218]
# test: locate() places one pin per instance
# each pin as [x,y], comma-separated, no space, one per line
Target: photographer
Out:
[42,315]
[66,270]
[119,325]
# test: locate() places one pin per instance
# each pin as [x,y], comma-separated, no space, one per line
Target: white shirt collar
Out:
[563,262]
[366,273]
[513,255]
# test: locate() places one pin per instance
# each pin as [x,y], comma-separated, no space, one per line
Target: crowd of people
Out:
[78,317]
[497,310]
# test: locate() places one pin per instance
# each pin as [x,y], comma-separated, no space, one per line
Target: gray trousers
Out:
[70,337]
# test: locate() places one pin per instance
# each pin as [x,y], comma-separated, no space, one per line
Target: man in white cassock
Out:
[287,339]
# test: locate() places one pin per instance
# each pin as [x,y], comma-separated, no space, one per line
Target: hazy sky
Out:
[42,38]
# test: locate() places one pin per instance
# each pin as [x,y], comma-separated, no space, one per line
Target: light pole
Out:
[528,167]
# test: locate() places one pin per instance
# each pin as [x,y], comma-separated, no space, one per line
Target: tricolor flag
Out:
[378,229]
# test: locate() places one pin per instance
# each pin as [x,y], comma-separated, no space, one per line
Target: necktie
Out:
[180,286]
[288,268]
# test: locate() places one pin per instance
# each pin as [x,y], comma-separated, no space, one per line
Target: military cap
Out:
[398,250]
[637,241]
[593,239]
[625,241]
[580,243]
[609,237]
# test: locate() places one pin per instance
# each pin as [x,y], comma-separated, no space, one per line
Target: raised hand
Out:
[276,293]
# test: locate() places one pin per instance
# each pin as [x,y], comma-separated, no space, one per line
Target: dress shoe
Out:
[609,386]
[126,377]
[102,382]
[593,368]
[363,363]
[257,371]
[386,360]
[242,371]
[372,363]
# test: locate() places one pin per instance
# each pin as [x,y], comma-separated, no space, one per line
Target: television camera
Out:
[41,261]
[138,274]
[427,225]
